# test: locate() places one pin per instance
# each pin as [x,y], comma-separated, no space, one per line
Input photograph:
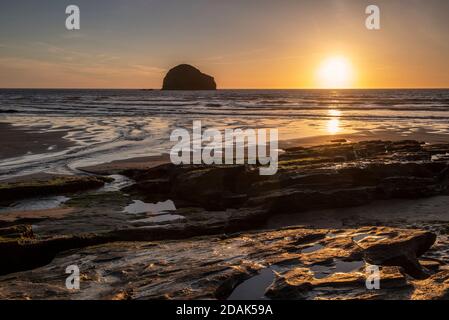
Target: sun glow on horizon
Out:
[335,73]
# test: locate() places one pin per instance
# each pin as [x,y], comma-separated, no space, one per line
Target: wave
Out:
[107,125]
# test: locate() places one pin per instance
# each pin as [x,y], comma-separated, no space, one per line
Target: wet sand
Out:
[153,161]
[386,135]
[21,141]
[114,167]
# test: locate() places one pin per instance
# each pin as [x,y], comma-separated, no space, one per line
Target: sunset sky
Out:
[243,44]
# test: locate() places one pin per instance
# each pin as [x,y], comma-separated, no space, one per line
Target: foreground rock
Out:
[434,288]
[187,77]
[218,199]
[21,250]
[215,200]
[399,250]
[37,185]
[306,264]
[99,218]
[332,176]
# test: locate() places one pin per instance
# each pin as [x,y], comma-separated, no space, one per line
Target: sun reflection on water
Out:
[333,124]
[334,113]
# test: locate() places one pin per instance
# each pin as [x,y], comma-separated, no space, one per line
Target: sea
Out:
[108,125]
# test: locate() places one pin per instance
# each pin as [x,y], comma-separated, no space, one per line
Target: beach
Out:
[76,128]
[25,141]
[291,222]
[358,184]
[20,141]
[224,158]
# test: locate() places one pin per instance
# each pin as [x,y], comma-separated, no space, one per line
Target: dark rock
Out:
[322,166]
[431,265]
[186,77]
[16,233]
[401,248]
[435,287]
[25,252]
[320,177]
[51,184]
[9,111]
[216,201]
[212,267]
[20,250]
[294,284]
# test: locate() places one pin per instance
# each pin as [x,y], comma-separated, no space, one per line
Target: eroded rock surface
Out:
[151,254]
[47,184]
[213,267]
[332,176]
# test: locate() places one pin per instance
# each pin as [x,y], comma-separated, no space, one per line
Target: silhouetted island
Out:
[187,77]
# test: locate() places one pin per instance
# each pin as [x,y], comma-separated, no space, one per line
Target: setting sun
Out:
[335,72]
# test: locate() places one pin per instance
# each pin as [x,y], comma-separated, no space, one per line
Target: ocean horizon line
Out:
[230,89]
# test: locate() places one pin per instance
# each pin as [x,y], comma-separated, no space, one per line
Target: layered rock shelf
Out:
[307,264]
[216,238]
